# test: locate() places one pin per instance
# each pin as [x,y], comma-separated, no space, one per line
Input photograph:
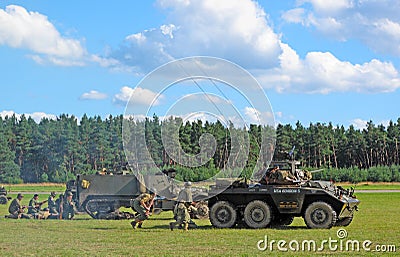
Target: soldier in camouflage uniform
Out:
[68,207]
[142,204]
[183,208]
[278,176]
[52,206]
[34,207]
[16,210]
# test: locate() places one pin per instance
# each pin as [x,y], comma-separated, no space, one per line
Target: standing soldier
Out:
[16,210]
[51,201]
[142,204]
[68,207]
[186,193]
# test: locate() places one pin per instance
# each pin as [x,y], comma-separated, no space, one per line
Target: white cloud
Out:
[231,29]
[241,32]
[254,116]
[375,23]
[36,116]
[294,15]
[322,72]
[31,30]
[93,95]
[329,7]
[361,124]
[137,95]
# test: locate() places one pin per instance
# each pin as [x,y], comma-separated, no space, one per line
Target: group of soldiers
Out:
[61,208]
[275,175]
[143,203]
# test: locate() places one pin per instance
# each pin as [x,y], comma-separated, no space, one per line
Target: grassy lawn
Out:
[376,221]
[373,185]
[39,187]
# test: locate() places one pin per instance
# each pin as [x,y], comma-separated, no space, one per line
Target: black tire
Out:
[320,215]
[223,215]
[344,222]
[257,214]
[3,199]
[282,220]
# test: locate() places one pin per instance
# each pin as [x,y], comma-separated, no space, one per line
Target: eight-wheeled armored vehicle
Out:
[260,205]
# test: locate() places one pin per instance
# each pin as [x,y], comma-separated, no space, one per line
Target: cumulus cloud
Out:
[137,95]
[36,116]
[322,72]
[375,23]
[93,95]
[231,29]
[241,32]
[32,30]
[361,124]
[254,116]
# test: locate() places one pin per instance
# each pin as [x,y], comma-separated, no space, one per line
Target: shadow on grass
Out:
[210,227]
[104,229]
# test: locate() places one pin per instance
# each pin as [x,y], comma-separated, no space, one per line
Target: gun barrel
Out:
[315,171]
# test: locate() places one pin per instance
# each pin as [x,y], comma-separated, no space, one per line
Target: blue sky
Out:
[317,60]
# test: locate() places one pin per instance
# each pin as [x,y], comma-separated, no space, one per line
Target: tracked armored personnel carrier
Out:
[260,205]
[101,196]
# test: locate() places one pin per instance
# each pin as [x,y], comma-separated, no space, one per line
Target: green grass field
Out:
[373,185]
[376,221]
[40,187]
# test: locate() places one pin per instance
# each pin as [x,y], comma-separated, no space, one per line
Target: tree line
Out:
[55,150]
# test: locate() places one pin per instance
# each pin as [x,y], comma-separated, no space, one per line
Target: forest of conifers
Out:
[57,150]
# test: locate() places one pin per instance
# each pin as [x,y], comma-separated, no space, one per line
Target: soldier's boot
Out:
[140,225]
[133,224]
[171,226]
[186,226]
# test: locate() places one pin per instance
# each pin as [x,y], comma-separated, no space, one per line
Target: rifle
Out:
[22,209]
[40,204]
[315,171]
[61,202]
[151,204]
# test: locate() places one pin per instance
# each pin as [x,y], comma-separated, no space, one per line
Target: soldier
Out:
[183,208]
[142,204]
[59,205]
[181,216]
[186,193]
[270,175]
[51,201]
[34,207]
[68,207]
[16,210]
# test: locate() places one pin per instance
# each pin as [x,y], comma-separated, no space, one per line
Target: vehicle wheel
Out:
[283,220]
[257,214]
[3,199]
[344,222]
[319,215]
[202,210]
[223,215]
